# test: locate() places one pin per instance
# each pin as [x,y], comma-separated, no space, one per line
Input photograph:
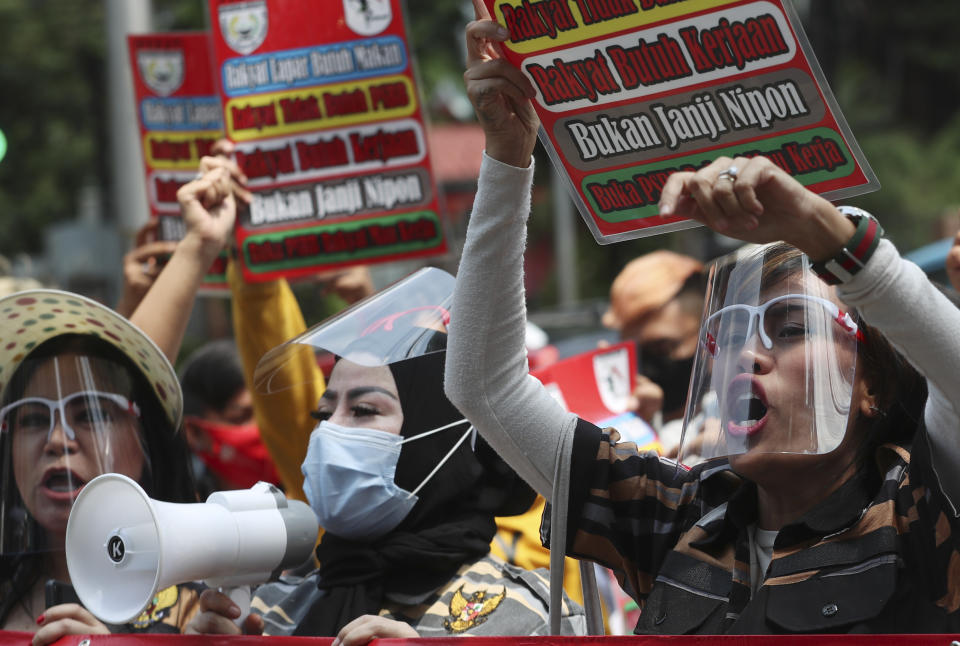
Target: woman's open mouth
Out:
[746,407]
[61,484]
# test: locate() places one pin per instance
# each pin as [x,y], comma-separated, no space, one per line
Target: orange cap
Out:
[646,284]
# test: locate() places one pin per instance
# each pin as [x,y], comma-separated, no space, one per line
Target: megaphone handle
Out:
[240,595]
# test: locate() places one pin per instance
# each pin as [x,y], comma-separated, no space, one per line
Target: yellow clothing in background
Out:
[264,316]
[518,542]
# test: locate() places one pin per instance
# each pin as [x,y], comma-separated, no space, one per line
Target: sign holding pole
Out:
[629,91]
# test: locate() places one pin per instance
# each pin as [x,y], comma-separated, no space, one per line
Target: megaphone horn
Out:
[123,547]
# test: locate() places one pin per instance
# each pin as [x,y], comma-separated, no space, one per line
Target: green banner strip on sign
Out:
[343,241]
[810,156]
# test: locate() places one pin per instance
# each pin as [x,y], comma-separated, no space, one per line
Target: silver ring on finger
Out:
[730,174]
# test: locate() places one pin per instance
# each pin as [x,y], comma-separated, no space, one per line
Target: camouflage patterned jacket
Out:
[487,597]
[878,558]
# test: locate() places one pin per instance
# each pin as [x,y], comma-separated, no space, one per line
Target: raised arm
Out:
[895,296]
[487,376]
[209,209]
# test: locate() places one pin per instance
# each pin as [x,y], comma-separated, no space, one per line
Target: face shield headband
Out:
[776,362]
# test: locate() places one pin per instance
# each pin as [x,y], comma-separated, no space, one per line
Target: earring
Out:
[877,412]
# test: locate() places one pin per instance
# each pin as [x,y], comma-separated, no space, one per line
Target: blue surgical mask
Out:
[349,479]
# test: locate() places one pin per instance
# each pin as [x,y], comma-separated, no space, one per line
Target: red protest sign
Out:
[179,114]
[321,101]
[629,91]
[597,386]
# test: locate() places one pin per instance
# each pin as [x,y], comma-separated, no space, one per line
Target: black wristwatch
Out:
[856,252]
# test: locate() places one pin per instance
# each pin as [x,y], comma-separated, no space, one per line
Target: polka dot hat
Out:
[31,317]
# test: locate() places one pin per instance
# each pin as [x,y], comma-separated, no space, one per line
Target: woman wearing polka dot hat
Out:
[83,391]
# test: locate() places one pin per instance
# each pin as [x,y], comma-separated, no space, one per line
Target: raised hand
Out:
[142,265]
[209,207]
[752,199]
[500,93]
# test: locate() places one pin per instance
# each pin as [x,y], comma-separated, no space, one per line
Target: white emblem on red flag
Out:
[612,373]
[368,17]
[161,69]
[244,25]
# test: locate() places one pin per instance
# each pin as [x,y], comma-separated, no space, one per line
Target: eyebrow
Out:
[786,307]
[359,391]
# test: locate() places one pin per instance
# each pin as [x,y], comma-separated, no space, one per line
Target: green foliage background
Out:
[53,112]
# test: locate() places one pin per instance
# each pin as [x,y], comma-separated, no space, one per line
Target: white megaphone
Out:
[123,547]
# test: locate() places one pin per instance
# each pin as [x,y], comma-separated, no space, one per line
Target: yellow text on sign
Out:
[538,25]
[320,108]
[178,150]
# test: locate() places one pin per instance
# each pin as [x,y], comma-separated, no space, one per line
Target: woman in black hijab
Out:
[406,492]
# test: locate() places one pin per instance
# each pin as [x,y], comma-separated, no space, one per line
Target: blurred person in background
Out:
[952,263]
[657,301]
[219,421]
[141,266]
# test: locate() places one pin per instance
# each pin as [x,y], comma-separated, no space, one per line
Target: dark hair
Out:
[168,475]
[900,392]
[690,295]
[210,377]
[475,478]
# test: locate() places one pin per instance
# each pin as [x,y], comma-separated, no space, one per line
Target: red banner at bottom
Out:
[8,638]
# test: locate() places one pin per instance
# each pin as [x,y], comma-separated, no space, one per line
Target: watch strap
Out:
[856,252]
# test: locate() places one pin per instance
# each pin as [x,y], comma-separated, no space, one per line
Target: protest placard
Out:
[597,386]
[629,91]
[179,114]
[321,101]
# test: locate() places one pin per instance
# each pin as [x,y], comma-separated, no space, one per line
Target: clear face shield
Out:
[775,365]
[406,320]
[64,419]
[366,465]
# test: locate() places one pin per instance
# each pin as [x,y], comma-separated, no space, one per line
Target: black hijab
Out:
[451,524]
